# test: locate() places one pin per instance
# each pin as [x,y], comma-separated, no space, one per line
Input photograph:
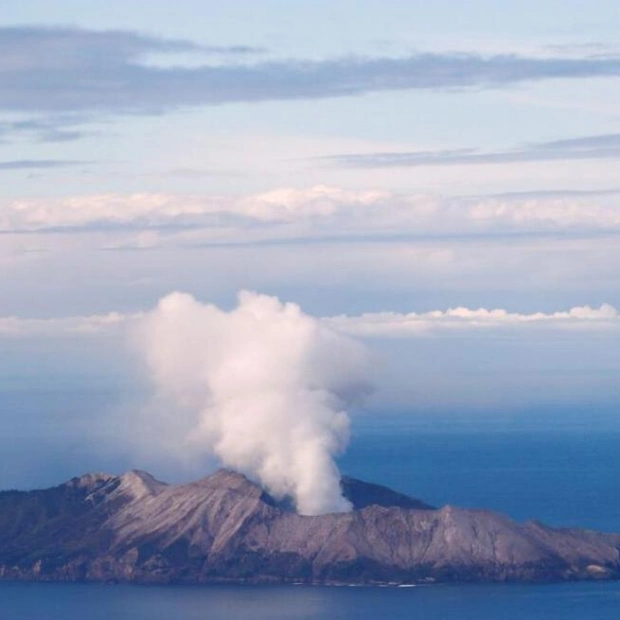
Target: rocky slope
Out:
[225,528]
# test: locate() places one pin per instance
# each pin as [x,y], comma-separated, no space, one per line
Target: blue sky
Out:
[380,163]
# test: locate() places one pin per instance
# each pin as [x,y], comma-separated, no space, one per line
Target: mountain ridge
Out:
[224,527]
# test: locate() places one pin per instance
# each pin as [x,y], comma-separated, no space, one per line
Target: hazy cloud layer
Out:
[399,325]
[320,212]
[589,147]
[94,325]
[375,324]
[333,250]
[69,69]
[453,359]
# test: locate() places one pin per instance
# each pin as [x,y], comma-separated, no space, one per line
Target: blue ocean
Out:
[568,477]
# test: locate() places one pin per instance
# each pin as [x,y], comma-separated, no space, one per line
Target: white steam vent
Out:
[267,388]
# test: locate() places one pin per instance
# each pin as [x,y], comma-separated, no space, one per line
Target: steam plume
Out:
[267,387]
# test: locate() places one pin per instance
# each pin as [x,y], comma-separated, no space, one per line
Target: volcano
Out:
[226,528]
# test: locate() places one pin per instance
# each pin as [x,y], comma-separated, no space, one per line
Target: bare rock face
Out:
[225,528]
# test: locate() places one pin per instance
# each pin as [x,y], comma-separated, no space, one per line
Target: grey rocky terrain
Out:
[133,528]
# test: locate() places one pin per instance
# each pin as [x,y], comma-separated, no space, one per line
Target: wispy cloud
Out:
[92,325]
[70,69]
[551,193]
[59,128]
[589,147]
[39,164]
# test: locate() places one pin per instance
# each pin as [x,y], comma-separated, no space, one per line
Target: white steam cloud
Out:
[267,387]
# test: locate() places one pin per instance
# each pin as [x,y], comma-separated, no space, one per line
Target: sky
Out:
[437,180]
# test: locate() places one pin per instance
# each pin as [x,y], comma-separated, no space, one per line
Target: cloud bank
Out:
[375,324]
[316,212]
[61,70]
[263,387]
[404,325]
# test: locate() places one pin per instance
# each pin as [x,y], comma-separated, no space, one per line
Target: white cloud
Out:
[398,325]
[317,212]
[375,324]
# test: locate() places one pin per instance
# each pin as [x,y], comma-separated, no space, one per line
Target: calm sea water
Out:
[104,602]
[567,478]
